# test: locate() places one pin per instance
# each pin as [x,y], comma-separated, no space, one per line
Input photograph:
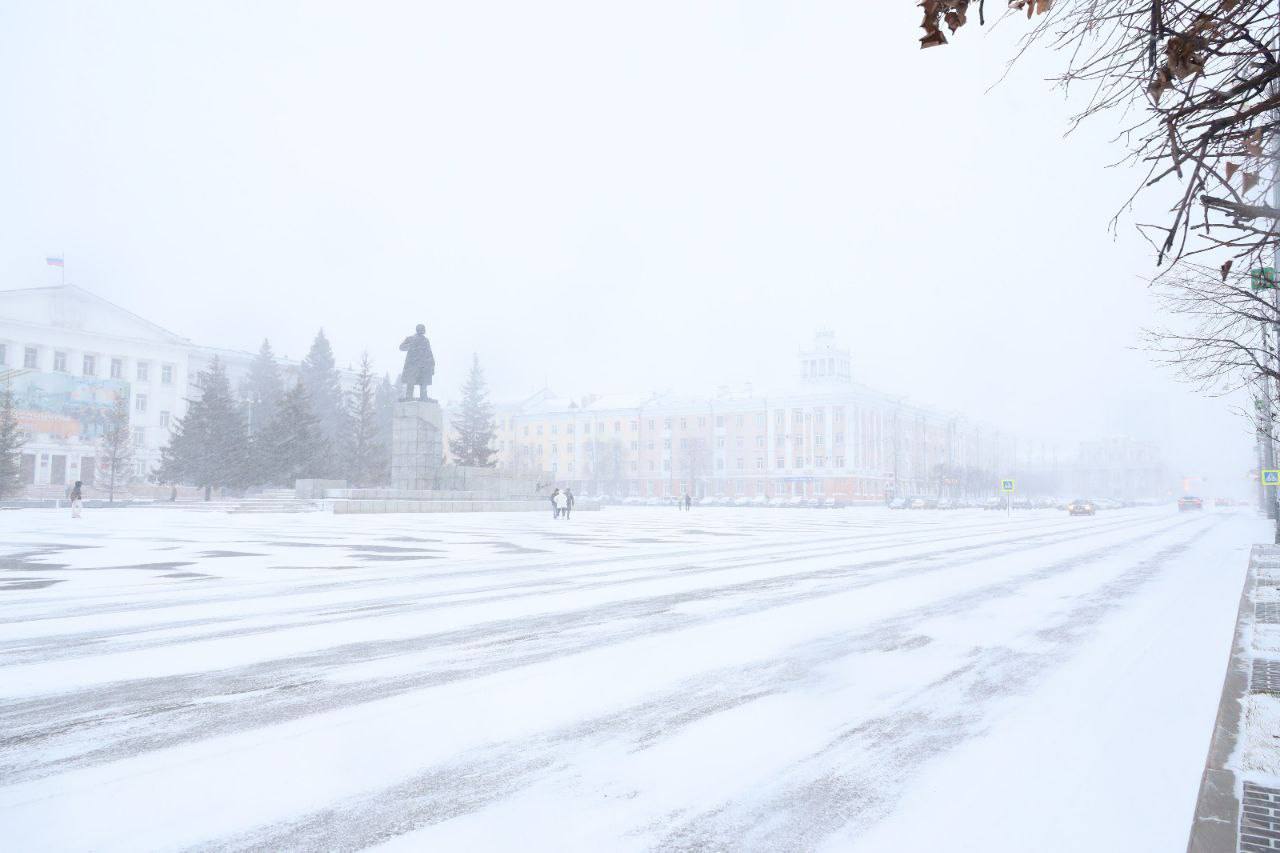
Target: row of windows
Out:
[90,365]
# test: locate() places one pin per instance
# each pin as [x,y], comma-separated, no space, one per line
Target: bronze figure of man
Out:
[419,363]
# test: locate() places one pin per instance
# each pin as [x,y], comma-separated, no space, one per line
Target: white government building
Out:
[68,355]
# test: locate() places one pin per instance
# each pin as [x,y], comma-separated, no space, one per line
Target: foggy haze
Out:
[606,200]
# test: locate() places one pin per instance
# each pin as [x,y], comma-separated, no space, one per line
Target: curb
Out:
[1215,828]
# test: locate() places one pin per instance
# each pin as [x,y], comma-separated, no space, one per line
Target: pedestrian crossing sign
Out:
[1006,485]
[1271,478]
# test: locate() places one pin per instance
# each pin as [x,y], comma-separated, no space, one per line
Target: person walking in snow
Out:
[562,505]
[77,498]
[555,504]
[568,502]
[688,502]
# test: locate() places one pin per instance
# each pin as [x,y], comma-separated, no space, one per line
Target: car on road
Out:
[995,503]
[1081,506]
[898,503]
[915,503]
[1189,502]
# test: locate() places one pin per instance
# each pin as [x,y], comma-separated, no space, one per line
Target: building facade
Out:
[68,355]
[827,437]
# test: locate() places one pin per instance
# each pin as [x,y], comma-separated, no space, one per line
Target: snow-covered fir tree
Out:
[11,441]
[294,444]
[319,376]
[472,443]
[210,446]
[115,449]
[366,457]
[263,388]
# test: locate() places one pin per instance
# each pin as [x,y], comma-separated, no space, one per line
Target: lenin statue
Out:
[419,363]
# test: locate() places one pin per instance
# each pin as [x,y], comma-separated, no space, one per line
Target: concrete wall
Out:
[343,507]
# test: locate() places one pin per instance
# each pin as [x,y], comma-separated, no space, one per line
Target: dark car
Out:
[1081,506]
[1187,502]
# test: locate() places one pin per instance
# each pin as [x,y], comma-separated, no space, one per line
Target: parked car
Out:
[777,501]
[995,503]
[915,503]
[898,503]
[1190,502]
[945,503]
[759,500]
[1081,506]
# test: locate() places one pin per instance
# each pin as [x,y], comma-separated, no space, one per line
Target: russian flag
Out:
[53,262]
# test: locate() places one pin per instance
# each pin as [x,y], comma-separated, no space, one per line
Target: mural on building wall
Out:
[66,405]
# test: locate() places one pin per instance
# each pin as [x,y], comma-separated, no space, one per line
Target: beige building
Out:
[827,437]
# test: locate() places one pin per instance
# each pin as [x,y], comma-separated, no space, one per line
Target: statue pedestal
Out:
[417,444]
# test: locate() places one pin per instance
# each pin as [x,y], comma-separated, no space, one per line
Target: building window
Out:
[666,423]
[90,365]
[741,463]
[539,429]
[666,464]
[740,440]
[139,436]
[166,374]
[798,462]
[617,426]
[759,441]
[782,463]
[719,420]
[684,442]
[635,445]
[140,402]
[820,461]
[30,358]
[555,428]
[650,464]
[60,362]
[720,441]
[839,461]
[117,368]
[569,429]
[819,440]
[526,430]
[144,371]
[666,444]
[838,438]
[760,463]
[140,468]
[164,420]
[720,464]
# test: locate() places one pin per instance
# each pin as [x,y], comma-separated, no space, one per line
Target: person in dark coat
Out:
[688,502]
[77,498]
[568,502]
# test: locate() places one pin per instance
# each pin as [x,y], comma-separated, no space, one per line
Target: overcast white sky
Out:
[603,197]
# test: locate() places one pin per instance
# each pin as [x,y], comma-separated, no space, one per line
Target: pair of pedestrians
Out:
[561,503]
[685,503]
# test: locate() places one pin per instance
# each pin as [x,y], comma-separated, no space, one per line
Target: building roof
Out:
[64,304]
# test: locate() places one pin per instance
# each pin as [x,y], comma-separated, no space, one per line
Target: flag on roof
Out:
[53,262]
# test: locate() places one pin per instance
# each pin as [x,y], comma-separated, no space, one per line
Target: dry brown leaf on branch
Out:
[955,20]
[1226,268]
[1231,170]
[1159,84]
[1253,144]
[933,39]
[1183,60]
[1250,181]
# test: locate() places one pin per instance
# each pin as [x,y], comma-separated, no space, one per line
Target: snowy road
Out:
[630,680]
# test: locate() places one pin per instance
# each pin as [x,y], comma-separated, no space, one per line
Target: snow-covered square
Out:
[630,679]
